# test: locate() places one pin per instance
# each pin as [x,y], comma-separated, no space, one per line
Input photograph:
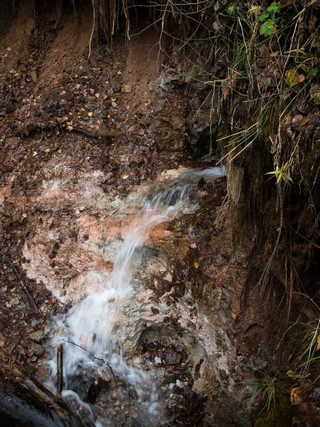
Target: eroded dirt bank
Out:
[81,139]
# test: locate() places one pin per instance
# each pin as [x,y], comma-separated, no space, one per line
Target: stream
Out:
[94,331]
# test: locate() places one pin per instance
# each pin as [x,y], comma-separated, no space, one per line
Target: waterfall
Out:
[90,331]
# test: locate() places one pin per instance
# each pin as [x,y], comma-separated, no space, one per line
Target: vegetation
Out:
[257,63]
[274,400]
[268,388]
[258,60]
[267,19]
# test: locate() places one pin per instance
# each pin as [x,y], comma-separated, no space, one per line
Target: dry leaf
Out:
[315,94]
[225,92]
[264,51]
[311,23]
[318,343]
[300,120]
[304,68]
[294,396]
[293,78]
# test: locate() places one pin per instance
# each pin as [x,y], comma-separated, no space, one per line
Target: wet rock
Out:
[157,360]
[155,310]
[171,357]
[36,349]
[37,336]
[97,387]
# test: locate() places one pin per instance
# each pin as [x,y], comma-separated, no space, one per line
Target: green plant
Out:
[239,141]
[292,78]
[231,9]
[267,18]
[281,174]
[305,343]
[313,73]
[273,394]
[268,390]
[311,345]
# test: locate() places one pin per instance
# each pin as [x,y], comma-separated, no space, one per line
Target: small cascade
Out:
[91,332]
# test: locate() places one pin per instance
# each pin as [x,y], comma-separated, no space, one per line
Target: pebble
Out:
[37,336]
[126,88]
[36,349]
[157,360]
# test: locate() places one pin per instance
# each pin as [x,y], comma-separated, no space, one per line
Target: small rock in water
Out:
[157,360]
[155,310]
[37,336]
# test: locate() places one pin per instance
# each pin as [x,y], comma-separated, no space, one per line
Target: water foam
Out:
[90,331]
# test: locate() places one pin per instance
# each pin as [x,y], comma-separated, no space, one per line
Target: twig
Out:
[238,133]
[92,355]
[23,285]
[266,269]
[93,27]
[59,369]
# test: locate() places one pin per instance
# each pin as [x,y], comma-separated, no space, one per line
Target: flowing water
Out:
[92,331]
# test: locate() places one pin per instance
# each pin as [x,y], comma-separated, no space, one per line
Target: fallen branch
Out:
[102,134]
[98,134]
[59,369]
[36,398]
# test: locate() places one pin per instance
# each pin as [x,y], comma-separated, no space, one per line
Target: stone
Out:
[126,88]
[36,349]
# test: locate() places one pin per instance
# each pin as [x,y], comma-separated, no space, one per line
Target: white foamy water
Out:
[91,331]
